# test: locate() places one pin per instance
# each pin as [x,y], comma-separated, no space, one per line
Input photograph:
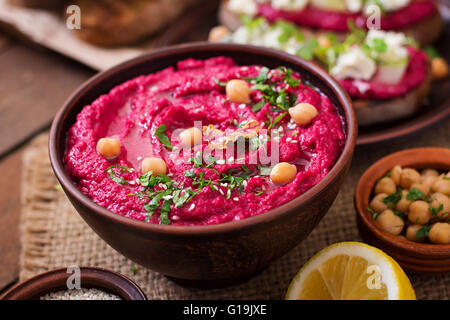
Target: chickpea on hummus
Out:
[166,147]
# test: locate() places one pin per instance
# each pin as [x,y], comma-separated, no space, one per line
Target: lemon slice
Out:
[351,271]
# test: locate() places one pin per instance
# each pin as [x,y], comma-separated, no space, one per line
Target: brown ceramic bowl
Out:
[216,255]
[414,257]
[55,280]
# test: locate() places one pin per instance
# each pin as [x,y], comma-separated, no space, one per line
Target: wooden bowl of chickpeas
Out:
[402,204]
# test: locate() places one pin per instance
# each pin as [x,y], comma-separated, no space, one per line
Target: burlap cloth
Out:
[53,234]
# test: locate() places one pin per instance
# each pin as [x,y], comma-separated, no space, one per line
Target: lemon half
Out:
[351,271]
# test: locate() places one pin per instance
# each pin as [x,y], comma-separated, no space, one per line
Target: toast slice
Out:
[121,22]
[378,111]
[425,32]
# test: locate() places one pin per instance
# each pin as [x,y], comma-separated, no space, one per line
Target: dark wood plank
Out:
[33,86]
[10,167]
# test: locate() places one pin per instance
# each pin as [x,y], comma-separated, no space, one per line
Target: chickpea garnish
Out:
[410,204]
[419,212]
[385,185]
[377,204]
[439,68]
[430,173]
[108,147]
[238,91]
[324,41]
[156,165]
[441,203]
[440,233]
[396,174]
[411,233]
[191,137]
[430,180]
[303,113]
[283,173]
[441,186]
[403,204]
[218,33]
[390,222]
[422,187]
[408,177]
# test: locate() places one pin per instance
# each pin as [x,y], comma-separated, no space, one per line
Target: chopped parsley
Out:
[435,211]
[133,269]
[114,170]
[431,52]
[393,198]
[220,83]
[160,133]
[373,213]
[423,232]
[263,170]
[308,49]
[279,98]
[415,194]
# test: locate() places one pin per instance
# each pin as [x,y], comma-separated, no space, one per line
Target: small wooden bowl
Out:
[414,257]
[55,280]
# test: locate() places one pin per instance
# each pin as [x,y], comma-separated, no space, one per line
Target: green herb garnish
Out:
[160,133]
[393,198]
[415,194]
[373,213]
[222,84]
[113,174]
[423,232]
[435,211]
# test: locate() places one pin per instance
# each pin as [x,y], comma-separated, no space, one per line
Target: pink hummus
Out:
[176,98]
[414,76]
[311,17]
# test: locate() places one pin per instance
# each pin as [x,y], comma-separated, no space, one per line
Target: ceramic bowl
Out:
[215,255]
[90,277]
[412,256]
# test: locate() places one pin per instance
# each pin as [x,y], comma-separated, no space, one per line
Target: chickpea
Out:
[411,233]
[283,173]
[377,203]
[324,41]
[403,204]
[441,186]
[408,177]
[396,173]
[390,222]
[430,180]
[439,68]
[303,113]
[156,165]
[238,91]
[439,199]
[419,212]
[191,137]
[218,33]
[385,185]
[108,147]
[430,173]
[422,186]
[440,233]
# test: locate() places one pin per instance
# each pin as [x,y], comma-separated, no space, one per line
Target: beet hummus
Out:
[313,17]
[415,75]
[146,115]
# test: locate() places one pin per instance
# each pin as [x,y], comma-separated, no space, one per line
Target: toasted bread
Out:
[425,32]
[42,4]
[122,22]
[378,111]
